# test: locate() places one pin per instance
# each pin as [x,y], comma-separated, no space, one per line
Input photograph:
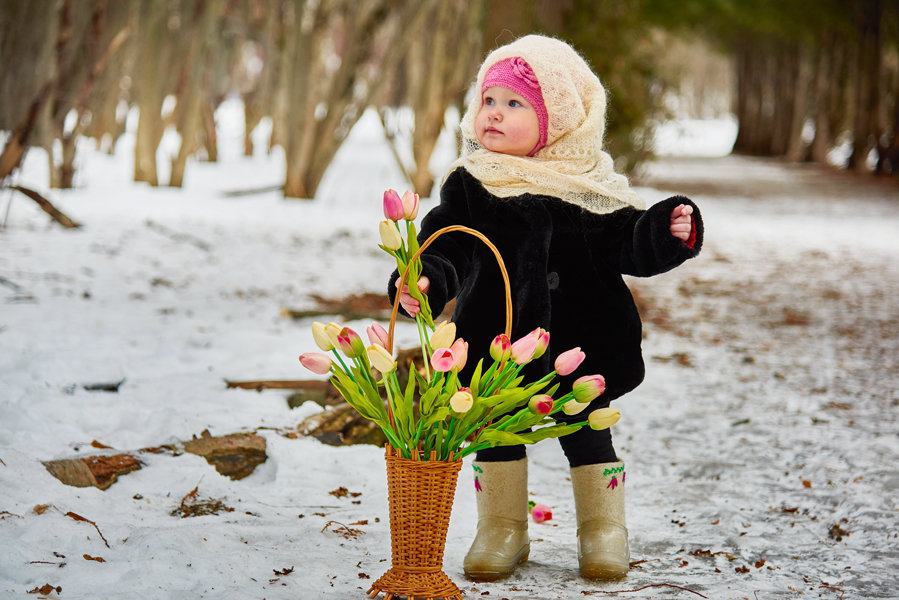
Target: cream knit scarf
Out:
[572,166]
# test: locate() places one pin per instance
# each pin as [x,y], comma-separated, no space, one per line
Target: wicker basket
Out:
[420,496]
[420,493]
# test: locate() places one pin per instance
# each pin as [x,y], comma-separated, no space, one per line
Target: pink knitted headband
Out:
[517,75]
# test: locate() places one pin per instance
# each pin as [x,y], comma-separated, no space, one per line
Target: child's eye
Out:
[488,101]
[515,103]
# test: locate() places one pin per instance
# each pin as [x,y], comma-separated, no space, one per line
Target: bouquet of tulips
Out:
[434,411]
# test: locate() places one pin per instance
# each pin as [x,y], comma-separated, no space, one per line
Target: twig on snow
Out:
[78,517]
[652,585]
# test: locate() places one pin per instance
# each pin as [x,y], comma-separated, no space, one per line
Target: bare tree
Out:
[194,85]
[439,66]
[335,55]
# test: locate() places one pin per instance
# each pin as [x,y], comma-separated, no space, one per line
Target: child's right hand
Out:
[410,304]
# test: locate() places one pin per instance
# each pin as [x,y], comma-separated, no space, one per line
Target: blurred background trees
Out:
[802,79]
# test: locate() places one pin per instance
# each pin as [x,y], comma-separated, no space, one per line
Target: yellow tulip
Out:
[380,358]
[390,237]
[321,336]
[461,401]
[603,418]
[573,407]
[332,330]
[444,335]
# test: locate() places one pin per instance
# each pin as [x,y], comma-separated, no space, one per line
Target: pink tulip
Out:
[460,351]
[569,360]
[443,360]
[542,404]
[588,387]
[542,336]
[393,206]
[541,513]
[316,362]
[523,349]
[501,348]
[377,334]
[350,343]
[410,205]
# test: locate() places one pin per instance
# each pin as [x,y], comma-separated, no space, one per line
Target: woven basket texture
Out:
[420,496]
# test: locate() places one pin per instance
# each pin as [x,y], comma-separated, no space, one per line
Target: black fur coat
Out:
[565,267]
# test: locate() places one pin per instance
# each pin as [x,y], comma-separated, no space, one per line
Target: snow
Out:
[762,448]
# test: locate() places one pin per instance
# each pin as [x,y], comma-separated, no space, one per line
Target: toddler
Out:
[533,177]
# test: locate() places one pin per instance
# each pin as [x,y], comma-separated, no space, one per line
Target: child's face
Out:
[507,123]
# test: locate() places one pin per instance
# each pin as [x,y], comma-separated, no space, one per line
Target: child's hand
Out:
[682,222]
[410,304]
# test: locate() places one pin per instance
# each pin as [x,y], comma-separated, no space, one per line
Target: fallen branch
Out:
[78,517]
[55,214]
[272,384]
[178,236]
[652,585]
[20,294]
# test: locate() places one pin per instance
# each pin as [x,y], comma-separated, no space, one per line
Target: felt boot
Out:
[501,542]
[602,549]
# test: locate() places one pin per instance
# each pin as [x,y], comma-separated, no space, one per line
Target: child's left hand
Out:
[682,222]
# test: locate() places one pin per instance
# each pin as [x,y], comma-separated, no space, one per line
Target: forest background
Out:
[802,79]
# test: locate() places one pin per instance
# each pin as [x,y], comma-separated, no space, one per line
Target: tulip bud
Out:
[603,418]
[410,205]
[523,349]
[390,237]
[460,351]
[573,407]
[321,336]
[501,348]
[350,343]
[380,358]
[569,360]
[377,334]
[462,400]
[541,513]
[588,387]
[443,360]
[316,362]
[393,206]
[332,330]
[542,336]
[541,404]
[443,335]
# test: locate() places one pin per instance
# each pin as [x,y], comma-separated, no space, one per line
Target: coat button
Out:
[552,280]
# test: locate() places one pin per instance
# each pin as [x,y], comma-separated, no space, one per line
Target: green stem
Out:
[449,435]
[425,346]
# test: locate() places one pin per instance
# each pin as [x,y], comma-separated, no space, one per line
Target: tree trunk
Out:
[152,26]
[823,140]
[196,83]
[334,99]
[796,149]
[867,85]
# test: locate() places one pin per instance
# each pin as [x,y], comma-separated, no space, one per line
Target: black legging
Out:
[583,447]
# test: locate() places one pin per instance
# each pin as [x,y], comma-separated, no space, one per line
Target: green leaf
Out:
[476,378]
[553,431]
[502,438]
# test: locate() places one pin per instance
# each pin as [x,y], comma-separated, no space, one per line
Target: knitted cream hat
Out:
[572,165]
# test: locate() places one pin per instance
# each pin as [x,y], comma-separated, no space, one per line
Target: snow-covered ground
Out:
[762,449]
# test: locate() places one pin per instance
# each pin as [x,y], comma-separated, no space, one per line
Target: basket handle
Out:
[434,236]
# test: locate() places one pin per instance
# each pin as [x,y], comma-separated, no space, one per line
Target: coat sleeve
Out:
[647,246]
[446,261]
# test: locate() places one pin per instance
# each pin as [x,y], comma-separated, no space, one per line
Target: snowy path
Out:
[762,449]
